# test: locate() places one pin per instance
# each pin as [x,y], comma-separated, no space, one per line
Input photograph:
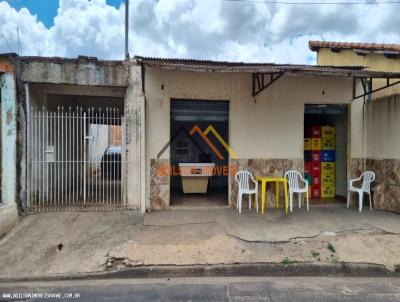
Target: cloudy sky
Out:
[244,30]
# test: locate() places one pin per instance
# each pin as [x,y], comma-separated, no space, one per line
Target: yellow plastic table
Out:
[277,180]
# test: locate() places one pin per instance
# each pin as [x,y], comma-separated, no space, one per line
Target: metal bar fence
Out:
[72,163]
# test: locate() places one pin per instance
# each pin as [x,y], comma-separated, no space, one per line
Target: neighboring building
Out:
[381,122]
[75,110]
[377,57]
[8,103]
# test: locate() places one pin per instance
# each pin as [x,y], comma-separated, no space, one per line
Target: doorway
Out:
[76,151]
[199,130]
[325,152]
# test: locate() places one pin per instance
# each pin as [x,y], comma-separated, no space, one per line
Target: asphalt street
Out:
[208,289]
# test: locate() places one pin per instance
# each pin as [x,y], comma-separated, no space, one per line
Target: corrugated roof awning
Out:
[265,74]
[287,69]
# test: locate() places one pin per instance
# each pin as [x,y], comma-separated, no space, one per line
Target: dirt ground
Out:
[62,243]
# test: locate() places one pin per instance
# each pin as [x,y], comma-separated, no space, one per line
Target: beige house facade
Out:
[234,116]
[265,130]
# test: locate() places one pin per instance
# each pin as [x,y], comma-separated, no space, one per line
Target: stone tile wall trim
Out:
[386,188]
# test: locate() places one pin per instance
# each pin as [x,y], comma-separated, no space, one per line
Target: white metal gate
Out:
[76,159]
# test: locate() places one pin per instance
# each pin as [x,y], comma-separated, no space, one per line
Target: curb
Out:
[224,270]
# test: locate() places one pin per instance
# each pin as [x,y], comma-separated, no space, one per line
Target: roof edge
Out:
[240,67]
[317,45]
[197,62]
[79,60]
[8,54]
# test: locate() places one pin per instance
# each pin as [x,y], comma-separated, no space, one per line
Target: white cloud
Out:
[83,27]
[209,22]
[204,29]
[33,35]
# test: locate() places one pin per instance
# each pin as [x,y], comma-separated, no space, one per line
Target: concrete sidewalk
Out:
[67,243]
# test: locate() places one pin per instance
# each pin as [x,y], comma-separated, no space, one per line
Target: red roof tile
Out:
[316,45]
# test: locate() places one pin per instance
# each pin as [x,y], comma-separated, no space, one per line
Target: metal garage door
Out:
[199,111]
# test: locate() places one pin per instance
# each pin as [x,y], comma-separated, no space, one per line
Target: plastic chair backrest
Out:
[243,179]
[368,177]
[293,178]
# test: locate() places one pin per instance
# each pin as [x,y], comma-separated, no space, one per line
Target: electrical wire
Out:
[5,39]
[315,3]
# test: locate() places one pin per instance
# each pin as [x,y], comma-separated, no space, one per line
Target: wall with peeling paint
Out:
[8,206]
[53,81]
[6,65]
[73,71]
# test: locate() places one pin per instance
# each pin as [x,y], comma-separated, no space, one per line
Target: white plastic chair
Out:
[367,178]
[293,177]
[243,179]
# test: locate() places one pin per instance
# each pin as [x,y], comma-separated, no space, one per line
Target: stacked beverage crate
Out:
[307,157]
[312,159]
[328,165]
[319,160]
[316,162]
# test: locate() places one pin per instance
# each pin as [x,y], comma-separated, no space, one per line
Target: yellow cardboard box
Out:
[327,132]
[316,144]
[327,191]
[328,143]
[307,144]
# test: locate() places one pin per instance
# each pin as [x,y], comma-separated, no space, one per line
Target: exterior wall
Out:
[8,206]
[73,71]
[377,62]
[377,145]
[357,129]
[383,150]
[342,156]
[135,139]
[382,127]
[358,145]
[266,132]
[5,65]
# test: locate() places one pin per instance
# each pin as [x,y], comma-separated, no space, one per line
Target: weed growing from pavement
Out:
[331,248]
[316,254]
[286,262]
[105,267]
[397,268]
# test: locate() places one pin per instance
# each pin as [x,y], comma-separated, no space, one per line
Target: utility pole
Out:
[126,29]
